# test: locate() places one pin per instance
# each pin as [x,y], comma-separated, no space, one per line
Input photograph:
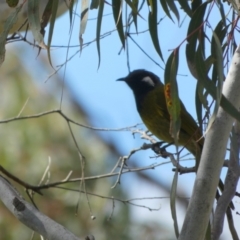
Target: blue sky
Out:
[111,104]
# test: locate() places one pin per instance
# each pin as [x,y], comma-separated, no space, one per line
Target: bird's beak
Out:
[121,79]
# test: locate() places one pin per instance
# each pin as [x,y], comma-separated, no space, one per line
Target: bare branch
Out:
[212,158]
[30,216]
[230,186]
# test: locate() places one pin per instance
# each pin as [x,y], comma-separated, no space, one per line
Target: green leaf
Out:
[51,28]
[135,3]
[233,45]
[185,7]
[210,85]
[217,52]
[171,94]
[34,22]
[165,8]
[218,55]
[70,7]
[200,65]
[199,99]
[221,10]
[153,27]
[221,33]
[190,55]
[46,15]
[173,203]
[12,3]
[195,26]
[172,6]
[218,75]
[202,96]
[94,4]
[195,5]
[202,76]
[196,22]
[224,103]
[117,14]
[98,32]
[132,6]
[150,3]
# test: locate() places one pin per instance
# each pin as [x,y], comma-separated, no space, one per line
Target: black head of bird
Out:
[151,104]
[141,81]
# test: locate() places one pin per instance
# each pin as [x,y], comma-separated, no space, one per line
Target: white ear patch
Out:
[149,81]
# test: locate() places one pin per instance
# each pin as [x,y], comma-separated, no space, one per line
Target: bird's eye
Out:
[148,81]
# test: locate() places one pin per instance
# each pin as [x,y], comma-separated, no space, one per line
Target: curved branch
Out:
[30,216]
[201,202]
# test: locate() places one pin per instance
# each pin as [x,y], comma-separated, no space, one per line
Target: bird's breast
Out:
[153,111]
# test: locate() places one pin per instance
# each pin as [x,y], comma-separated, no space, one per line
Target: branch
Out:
[30,216]
[230,187]
[38,115]
[214,150]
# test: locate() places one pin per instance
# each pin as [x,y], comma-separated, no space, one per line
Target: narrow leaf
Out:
[51,28]
[12,3]
[98,32]
[219,67]
[203,77]
[185,7]
[200,66]
[229,108]
[135,3]
[221,33]
[46,15]
[195,5]
[224,103]
[199,98]
[165,8]
[34,22]
[221,10]
[196,21]
[171,94]
[117,14]
[173,203]
[94,4]
[132,6]
[172,6]
[150,3]
[70,7]
[193,31]
[153,27]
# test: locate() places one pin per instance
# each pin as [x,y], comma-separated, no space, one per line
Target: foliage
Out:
[208,45]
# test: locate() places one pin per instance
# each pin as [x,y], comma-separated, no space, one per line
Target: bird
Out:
[151,105]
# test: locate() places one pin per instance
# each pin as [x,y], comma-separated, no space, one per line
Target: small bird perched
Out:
[151,104]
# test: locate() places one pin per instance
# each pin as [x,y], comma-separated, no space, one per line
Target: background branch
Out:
[30,216]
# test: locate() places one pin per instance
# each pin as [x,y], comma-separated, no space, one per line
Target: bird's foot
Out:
[159,149]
